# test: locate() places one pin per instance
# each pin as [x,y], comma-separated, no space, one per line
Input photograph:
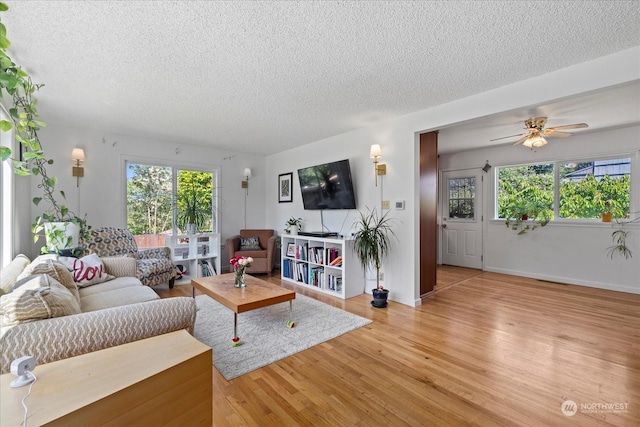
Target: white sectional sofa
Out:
[49,317]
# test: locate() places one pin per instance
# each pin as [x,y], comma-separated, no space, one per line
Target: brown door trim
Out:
[428,211]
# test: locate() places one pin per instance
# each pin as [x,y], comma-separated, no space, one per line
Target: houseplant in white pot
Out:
[16,83]
[193,214]
[293,225]
[371,244]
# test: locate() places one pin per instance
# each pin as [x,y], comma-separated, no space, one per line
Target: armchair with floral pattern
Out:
[154,265]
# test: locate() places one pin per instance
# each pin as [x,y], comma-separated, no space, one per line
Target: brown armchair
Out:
[263,255]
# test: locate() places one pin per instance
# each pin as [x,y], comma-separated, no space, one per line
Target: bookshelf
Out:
[324,265]
[198,253]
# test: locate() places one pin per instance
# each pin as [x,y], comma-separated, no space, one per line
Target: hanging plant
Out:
[31,159]
[526,216]
[619,238]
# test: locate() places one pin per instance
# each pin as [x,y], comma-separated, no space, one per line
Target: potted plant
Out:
[526,216]
[64,230]
[293,225]
[371,244]
[193,215]
[606,214]
[619,237]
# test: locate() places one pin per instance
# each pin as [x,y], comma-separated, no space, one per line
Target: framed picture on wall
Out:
[285,187]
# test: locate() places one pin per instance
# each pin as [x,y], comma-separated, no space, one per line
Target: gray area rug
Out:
[264,333]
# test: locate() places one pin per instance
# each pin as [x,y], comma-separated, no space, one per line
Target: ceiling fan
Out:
[534,137]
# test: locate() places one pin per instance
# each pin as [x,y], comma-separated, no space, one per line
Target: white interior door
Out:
[462,218]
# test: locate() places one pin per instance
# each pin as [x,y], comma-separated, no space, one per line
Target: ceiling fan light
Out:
[535,141]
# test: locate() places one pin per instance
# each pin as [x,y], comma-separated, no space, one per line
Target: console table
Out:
[163,380]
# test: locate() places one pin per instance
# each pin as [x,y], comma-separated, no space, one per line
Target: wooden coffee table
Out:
[256,294]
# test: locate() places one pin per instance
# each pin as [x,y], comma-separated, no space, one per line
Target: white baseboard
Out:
[567,280]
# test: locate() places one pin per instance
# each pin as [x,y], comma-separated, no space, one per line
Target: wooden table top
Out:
[256,294]
[69,385]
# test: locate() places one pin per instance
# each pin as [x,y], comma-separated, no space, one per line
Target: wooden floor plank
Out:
[486,349]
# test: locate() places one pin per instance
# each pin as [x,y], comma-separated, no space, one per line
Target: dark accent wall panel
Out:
[428,210]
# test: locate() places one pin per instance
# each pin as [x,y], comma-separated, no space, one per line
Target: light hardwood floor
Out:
[486,349]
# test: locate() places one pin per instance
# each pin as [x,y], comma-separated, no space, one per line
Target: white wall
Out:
[101,191]
[101,194]
[399,141]
[574,252]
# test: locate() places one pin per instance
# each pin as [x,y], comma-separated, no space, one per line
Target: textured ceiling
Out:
[267,76]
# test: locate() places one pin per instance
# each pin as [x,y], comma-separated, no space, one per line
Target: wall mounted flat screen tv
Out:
[327,186]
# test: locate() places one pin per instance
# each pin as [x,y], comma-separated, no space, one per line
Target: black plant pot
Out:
[379,297]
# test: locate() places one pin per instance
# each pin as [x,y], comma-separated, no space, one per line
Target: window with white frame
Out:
[164,200]
[580,189]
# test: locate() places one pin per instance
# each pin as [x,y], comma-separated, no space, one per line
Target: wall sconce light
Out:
[78,171]
[247,175]
[378,169]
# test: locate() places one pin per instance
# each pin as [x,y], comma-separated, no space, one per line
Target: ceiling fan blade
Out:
[521,140]
[505,137]
[553,132]
[567,127]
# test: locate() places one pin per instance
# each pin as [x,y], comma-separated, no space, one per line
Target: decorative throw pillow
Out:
[9,274]
[49,264]
[37,297]
[250,244]
[87,271]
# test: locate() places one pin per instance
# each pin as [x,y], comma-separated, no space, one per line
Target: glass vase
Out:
[240,280]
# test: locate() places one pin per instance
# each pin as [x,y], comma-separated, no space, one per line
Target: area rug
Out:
[264,333]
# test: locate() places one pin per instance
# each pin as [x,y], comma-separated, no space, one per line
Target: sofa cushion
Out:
[48,264]
[120,266]
[9,274]
[250,244]
[117,297]
[37,297]
[87,271]
[252,254]
[117,283]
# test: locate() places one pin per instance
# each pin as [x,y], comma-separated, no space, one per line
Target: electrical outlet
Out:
[385,204]
[382,276]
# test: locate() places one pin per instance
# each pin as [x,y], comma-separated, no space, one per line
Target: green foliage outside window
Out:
[530,188]
[587,198]
[194,200]
[527,190]
[150,199]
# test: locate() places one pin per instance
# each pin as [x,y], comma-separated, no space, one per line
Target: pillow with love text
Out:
[86,271]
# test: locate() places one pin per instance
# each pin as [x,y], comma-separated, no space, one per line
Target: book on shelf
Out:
[334,283]
[316,255]
[332,254]
[211,268]
[315,276]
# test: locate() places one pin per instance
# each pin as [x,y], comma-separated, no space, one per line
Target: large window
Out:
[529,188]
[164,200]
[567,190]
[586,186]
